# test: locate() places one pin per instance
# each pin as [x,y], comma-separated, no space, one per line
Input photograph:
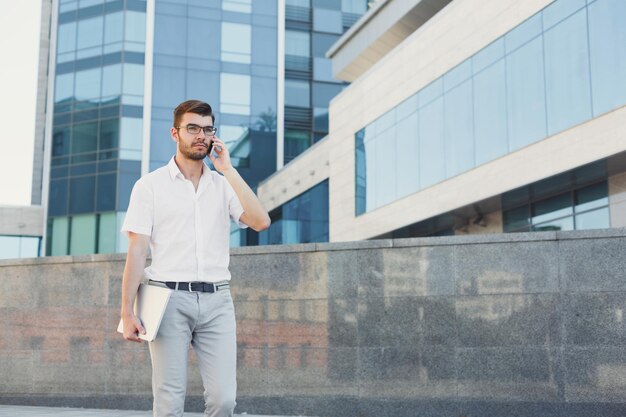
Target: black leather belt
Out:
[193,286]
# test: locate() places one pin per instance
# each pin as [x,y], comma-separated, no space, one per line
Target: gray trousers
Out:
[207,322]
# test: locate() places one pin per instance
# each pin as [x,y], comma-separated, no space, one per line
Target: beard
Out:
[189,151]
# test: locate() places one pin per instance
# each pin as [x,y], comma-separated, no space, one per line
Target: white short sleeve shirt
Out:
[189,230]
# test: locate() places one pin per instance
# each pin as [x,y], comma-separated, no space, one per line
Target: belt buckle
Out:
[189,287]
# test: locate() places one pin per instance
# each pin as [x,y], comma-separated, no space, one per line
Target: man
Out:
[182,213]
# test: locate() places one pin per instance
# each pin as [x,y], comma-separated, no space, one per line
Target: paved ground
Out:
[23,411]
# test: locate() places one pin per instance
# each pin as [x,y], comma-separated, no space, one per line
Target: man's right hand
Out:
[132,328]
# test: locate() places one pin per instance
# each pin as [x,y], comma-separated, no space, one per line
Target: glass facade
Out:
[575,200]
[563,66]
[310,30]
[303,219]
[223,52]
[97,125]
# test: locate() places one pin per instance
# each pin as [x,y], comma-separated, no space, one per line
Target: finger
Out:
[140,327]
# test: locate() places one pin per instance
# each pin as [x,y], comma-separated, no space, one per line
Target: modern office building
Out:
[117,68]
[465,116]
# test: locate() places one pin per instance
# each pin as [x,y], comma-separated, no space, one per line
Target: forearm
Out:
[253,209]
[133,273]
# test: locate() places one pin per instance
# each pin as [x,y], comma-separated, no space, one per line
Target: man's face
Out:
[193,146]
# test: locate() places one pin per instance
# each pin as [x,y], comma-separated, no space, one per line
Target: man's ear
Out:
[174,134]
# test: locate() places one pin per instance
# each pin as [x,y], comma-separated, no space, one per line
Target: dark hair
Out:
[192,106]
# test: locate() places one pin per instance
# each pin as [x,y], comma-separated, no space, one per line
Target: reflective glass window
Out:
[85,137]
[323,70]
[567,73]
[9,247]
[82,194]
[171,93]
[323,93]
[60,234]
[236,42]
[106,192]
[135,26]
[83,235]
[112,80]
[488,55]
[109,134]
[90,32]
[296,142]
[516,220]
[354,6]
[241,6]
[297,93]
[607,45]
[131,138]
[320,119]
[490,120]
[57,201]
[133,79]
[431,144]
[107,232]
[595,219]
[298,3]
[64,88]
[170,39]
[386,160]
[559,10]
[61,141]
[407,162]
[370,173]
[88,84]
[235,93]
[297,43]
[526,107]
[325,20]
[566,223]
[29,247]
[113,27]
[459,129]
[552,208]
[591,197]
[67,37]
[523,33]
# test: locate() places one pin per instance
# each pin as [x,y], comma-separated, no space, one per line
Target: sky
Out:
[19,52]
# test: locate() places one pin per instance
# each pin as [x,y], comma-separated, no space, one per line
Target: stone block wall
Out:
[496,325]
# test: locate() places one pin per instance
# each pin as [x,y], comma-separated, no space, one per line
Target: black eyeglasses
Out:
[195,129]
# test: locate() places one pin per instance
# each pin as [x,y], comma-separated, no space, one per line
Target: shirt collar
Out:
[175,171]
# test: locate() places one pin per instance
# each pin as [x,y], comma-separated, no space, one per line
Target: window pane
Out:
[58,197]
[559,224]
[29,247]
[296,142]
[106,192]
[490,113]
[85,138]
[241,6]
[431,150]
[371,168]
[83,238]
[131,136]
[88,84]
[328,21]
[133,79]
[386,161]
[107,233]
[64,88]
[9,247]
[407,141]
[235,93]
[60,230]
[523,33]
[90,32]
[109,134]
[135,26]
[567,73]
[354,6]
[552,208]
[67,37]
[526,108]
[61,141]
[297,43]
[113,27]
[458,129]
[607,40]
[82,194]
[591,197]
[516,219]
[112,80]
[596,219]
[297,93]
[236,42]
